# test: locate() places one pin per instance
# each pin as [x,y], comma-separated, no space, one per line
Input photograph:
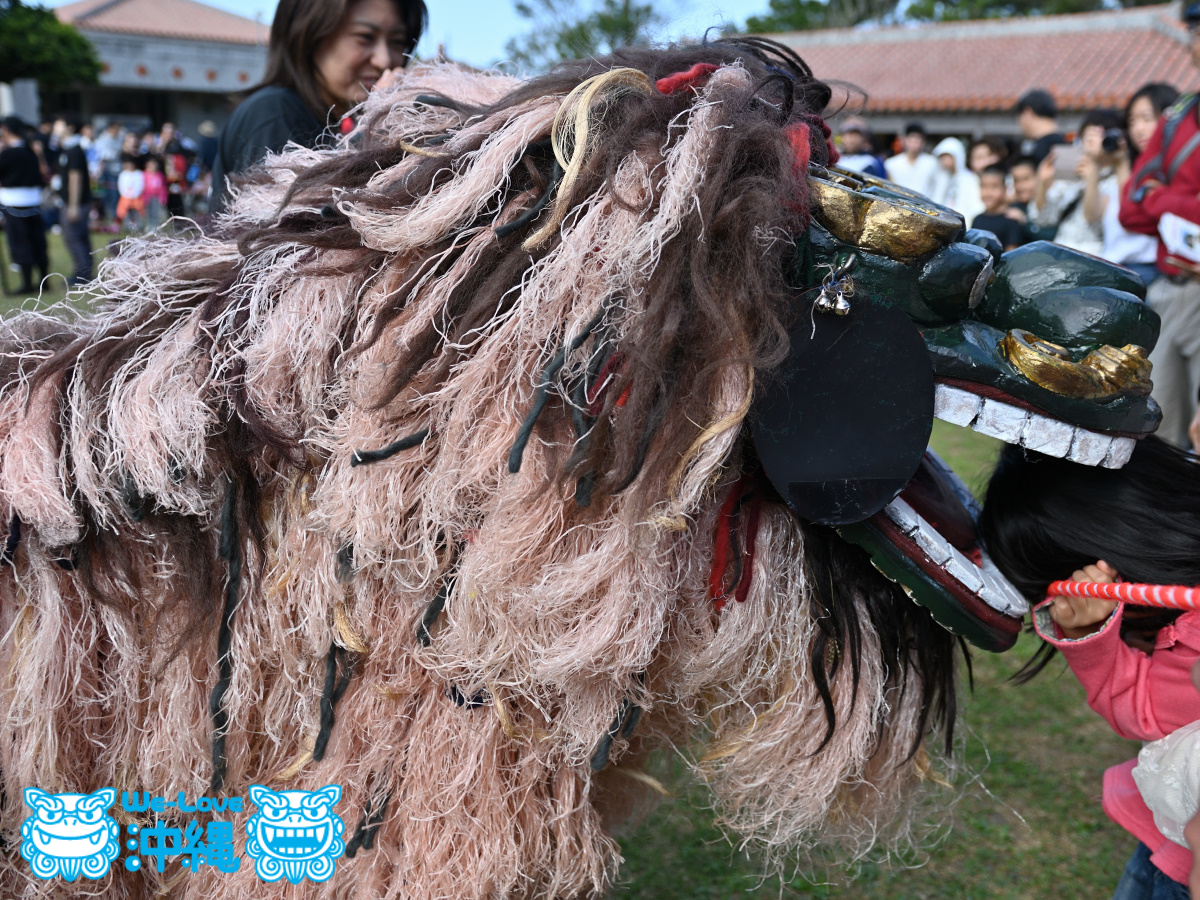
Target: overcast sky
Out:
[475,31]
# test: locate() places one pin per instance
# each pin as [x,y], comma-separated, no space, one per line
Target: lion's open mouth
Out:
[931,524]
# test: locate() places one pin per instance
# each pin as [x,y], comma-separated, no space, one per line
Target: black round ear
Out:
[842,426]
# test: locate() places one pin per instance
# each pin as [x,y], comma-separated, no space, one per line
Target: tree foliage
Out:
[955,10]
[561,30]
[804,15]
[34,44]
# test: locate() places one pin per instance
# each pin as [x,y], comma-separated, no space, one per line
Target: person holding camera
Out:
[1111,153]
[1164,190]
[1062,185]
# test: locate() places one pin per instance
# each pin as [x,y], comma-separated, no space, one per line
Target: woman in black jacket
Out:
[324,57]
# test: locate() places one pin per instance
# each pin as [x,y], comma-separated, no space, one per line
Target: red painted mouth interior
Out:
[936,501]
[976,607]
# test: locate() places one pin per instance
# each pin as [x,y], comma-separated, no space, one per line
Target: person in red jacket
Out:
[1166,180]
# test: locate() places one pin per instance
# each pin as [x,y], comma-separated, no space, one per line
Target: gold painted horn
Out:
[878,216]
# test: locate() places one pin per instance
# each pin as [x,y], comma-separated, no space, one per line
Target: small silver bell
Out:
[841,306]
[825,301]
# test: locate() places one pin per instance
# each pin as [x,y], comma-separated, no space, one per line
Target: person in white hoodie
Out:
[955,185]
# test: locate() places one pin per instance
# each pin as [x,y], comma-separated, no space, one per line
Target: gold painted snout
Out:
[1103,374]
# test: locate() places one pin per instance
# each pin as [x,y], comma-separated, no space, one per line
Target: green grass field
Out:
[55,287]
[1028,824]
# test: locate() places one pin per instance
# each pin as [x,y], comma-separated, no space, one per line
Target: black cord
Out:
[331,694]
[542,395]
[364,834]
[627,718]
[534,211]
[434,100]
[433,610]
[229,549]
[363,457]
[455,693]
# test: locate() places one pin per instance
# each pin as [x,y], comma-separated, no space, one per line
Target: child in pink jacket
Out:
[155,193]
[1047,519]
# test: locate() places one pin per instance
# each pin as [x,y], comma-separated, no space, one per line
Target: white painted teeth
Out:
[1034,431]
[1119,453]
[1048,436]
[986,580]
[998,592]
[999,420]
[956,406]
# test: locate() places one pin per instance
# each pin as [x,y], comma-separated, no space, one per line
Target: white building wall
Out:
[169,64]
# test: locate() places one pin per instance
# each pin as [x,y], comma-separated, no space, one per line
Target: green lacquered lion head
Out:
[1043,347]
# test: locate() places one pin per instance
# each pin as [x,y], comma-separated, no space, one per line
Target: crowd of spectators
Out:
[1038,186]
[1067,182]
[64,177]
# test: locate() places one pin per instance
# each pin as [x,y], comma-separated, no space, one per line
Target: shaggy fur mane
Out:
[423,473]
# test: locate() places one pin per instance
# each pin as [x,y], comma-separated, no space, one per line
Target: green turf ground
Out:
[1029,826]
[55,287]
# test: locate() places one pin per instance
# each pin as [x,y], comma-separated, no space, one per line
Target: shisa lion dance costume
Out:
[536,426]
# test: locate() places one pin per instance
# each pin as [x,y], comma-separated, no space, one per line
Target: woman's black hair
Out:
[1161,96]
[1045,518]
[993,142]
[299,28]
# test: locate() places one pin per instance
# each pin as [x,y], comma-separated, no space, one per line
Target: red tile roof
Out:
[185,19]
[1086,61]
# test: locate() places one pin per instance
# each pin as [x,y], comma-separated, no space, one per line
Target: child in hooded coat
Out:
[955,185]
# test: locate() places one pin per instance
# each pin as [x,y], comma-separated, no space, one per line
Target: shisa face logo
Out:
[69,834]
[295,834]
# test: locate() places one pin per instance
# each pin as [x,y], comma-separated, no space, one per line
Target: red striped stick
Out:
[1172,596]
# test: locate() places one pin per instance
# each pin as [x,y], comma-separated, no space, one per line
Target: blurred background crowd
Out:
[118,181]
[1052,180]
[1024,120]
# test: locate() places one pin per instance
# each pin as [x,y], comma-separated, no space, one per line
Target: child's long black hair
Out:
[1045,517]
